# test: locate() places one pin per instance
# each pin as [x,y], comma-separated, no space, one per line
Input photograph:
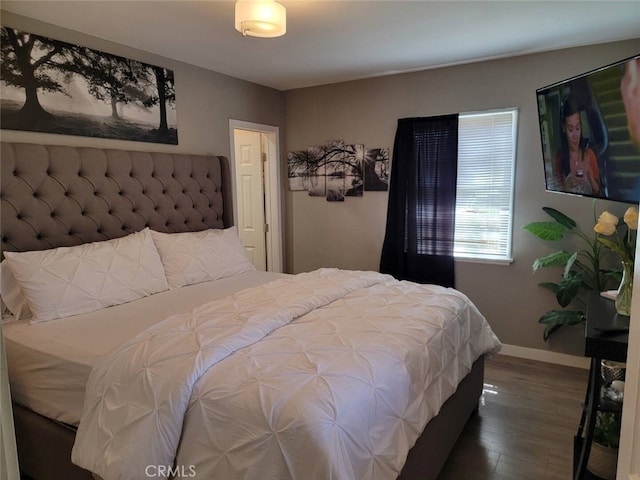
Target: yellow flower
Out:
[624,243]
[605,228]
[631,218]
[606,217]
[606,224]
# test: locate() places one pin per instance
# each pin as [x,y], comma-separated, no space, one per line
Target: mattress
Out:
[49,363]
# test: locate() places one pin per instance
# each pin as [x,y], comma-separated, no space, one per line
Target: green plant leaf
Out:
[570,261]
[550,286]
[549,329]
[550,231]
[614,247]
[568,288]
[562,317]
[560,217]
[556,259]
[555,319]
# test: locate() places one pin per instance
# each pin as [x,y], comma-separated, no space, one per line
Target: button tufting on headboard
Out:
[60,196]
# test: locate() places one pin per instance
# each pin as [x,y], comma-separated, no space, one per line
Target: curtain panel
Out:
[419,237]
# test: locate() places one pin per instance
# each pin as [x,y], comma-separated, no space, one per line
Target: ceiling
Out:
[334,41]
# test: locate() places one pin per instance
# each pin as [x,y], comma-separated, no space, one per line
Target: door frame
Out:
[272,188]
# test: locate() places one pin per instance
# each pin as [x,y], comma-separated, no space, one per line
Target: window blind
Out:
[486,158]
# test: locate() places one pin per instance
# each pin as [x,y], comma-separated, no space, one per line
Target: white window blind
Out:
[484,195]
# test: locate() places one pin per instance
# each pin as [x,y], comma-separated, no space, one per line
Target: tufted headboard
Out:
[54,196]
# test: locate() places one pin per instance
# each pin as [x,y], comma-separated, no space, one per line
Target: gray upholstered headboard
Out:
[54,196]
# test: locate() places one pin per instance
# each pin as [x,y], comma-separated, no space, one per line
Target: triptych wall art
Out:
[337,170]
[56,87]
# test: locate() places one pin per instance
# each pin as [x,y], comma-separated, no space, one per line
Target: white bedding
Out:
[336,380]
[49,363]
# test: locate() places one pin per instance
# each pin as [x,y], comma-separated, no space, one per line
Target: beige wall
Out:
[350,234]
[205,100]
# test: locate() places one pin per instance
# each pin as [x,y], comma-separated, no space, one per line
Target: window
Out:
[484,194]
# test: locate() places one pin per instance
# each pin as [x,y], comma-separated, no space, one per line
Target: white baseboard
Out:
[546,356]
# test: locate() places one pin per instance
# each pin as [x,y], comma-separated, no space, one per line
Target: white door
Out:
[250,193]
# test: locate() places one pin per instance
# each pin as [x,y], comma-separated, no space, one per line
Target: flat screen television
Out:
[588,147]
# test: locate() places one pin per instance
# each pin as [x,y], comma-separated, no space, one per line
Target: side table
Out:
[606,338]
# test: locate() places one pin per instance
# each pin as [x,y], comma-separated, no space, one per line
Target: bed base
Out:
[44,446]
[429,454]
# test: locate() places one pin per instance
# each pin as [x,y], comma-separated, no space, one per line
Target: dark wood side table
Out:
[606,338]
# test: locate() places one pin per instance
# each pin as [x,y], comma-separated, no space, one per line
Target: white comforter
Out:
[325,375]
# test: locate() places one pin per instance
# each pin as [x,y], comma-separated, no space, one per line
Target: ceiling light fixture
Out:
[261,18]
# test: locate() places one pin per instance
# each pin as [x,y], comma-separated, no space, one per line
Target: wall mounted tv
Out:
[586,130]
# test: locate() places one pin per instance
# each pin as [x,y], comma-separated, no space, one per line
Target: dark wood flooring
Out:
[528,416]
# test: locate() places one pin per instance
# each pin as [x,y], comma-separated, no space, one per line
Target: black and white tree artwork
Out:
[316,171]
[376,169]
[298,170]
[56,87]
[354,174]
[337,170]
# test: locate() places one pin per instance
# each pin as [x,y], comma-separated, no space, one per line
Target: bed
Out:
[320,375]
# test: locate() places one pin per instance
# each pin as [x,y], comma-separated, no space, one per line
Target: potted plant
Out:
[603,459]
[581,269]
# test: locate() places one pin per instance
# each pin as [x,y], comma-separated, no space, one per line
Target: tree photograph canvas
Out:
[376,169]
[354,177]
[337,170]
[298,170]
[334,170]
[316,169]
[51,86]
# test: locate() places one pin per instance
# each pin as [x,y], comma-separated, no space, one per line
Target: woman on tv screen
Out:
[576,165]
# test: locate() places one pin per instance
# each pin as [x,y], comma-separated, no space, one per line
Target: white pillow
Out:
[195,257]
[12,298]
[68,281]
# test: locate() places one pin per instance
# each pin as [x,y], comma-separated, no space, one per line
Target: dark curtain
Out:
[419,238]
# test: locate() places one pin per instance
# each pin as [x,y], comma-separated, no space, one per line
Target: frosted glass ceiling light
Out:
[261,18]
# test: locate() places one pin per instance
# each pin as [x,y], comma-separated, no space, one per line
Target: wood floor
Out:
[528,416]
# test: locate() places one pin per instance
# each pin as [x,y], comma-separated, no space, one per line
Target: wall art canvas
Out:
[56,87]
[354,174]
[376,169]
[298,170]
[336,170]
[316,171]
